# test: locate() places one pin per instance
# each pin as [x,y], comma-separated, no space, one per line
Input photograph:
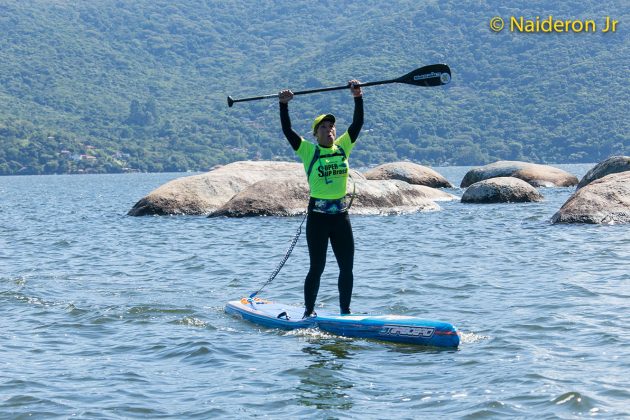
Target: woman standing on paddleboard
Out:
[326,166]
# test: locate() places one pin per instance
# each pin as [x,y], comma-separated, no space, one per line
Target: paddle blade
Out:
[432,75]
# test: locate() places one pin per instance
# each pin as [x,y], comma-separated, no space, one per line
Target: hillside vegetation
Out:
[115,85]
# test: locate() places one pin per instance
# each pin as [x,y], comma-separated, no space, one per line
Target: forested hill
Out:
[117,85]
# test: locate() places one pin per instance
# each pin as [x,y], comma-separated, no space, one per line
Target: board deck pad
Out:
[395,328]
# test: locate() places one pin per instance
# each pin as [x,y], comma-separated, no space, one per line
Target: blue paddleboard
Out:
[395,328]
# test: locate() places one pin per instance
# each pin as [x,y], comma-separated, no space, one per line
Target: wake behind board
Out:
[395,328]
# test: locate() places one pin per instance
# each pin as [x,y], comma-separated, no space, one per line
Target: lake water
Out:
[110,316]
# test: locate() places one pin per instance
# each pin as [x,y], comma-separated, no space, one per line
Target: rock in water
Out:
[202,194]
[611,165]
[534,174]
[409,172]
[603,201]
[269,197]
[501,190]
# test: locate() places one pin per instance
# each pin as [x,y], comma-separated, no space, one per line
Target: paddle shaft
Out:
[431,75]
[304,92]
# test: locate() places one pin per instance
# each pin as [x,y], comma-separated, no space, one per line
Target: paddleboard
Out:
[394,328]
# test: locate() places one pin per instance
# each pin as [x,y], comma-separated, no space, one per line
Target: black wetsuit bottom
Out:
[320,228]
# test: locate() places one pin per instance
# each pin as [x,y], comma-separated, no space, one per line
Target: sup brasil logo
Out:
[401,330]
[444,77]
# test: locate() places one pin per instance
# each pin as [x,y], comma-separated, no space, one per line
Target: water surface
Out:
[111,316]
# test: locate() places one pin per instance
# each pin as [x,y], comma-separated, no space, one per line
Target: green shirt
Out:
[329,175]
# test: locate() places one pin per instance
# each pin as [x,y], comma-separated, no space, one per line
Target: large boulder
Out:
[603,201]
[534,174]
[501,190]
[611,165]
[204,193]
[408,172]
[278,197]
[269,197]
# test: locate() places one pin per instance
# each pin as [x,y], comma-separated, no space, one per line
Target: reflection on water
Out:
[322,383]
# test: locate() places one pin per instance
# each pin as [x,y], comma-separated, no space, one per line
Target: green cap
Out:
[320,119]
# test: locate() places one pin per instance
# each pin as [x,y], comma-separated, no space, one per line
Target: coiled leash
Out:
[284,259]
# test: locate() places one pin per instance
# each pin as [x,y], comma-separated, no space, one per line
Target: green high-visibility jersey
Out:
[329,174]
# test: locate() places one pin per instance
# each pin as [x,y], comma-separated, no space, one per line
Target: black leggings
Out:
[319,228]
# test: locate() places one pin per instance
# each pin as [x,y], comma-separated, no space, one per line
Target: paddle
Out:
[432,75]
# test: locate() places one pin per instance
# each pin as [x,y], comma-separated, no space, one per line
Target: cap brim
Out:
[327,117]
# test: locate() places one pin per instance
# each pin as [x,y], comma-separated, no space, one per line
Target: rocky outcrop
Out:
[276,189]
[409,172]
[501,190]
[204,193]
[534,174]
[278,197]
[603,201]
[611,165]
